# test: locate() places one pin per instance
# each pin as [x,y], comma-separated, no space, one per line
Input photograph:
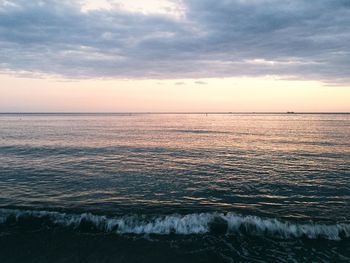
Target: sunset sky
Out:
[174,55]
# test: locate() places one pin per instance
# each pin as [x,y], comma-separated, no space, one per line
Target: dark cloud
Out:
[200,82]
[294,39]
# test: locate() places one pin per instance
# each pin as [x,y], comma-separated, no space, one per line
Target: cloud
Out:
[200,82]
[291,39]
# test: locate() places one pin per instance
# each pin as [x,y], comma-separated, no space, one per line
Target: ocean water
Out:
[174,188]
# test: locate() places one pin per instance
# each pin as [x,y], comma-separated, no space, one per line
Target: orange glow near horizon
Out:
[22,94]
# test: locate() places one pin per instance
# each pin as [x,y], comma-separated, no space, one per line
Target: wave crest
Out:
[199,223]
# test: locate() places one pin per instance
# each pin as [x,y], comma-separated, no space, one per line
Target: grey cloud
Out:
[296,39]
[200,82]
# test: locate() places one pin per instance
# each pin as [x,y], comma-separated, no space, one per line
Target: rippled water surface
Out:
[175,188]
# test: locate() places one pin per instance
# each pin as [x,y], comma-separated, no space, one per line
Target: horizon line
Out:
[171,112]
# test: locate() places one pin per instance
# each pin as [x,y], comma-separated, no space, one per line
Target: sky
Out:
[174,55]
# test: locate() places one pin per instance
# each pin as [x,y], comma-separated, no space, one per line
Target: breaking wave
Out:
[200,223]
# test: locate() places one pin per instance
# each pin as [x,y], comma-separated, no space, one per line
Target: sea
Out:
[138,187]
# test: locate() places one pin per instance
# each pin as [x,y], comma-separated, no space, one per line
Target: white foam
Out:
[187,224]
[273,227]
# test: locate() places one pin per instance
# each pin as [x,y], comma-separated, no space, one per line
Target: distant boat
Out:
[290,112]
